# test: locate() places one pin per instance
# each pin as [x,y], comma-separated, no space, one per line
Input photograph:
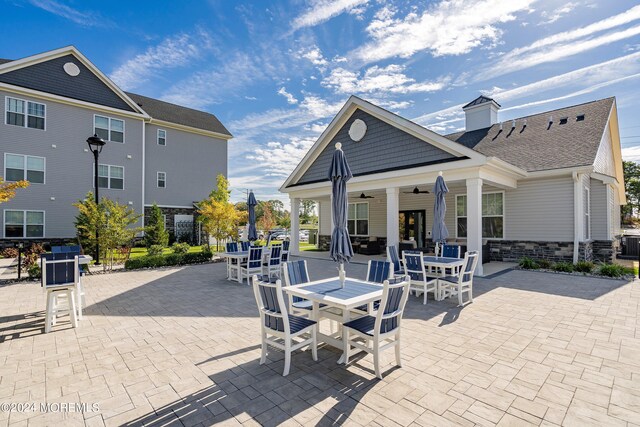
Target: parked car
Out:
[304,235]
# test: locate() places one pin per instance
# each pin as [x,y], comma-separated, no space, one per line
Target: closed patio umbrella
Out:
[340,249]
[439,232]
[251,207]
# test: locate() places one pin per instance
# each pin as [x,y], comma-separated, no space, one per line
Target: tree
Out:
[221,192]
[220,219]
[8,189]
[268,220]
[285,220]
[631,187]
[154,232]
[115,223]
[308,212]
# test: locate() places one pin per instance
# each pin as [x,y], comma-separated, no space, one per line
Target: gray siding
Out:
[600,207]
[383,147]
[604,162]
[192,163]
[69,169]
[50,77]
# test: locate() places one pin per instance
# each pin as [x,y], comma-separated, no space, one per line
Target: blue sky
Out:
[276,72]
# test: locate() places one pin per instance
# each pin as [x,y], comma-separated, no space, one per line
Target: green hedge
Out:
[154,261]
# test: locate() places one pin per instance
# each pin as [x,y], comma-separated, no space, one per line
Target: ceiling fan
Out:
[416,191]
[362,196]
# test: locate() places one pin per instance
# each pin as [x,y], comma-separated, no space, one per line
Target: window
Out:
[25,113]
[358,219]
[162,179]
[108,129]
[21,224]
[18,167]
[162,137]
[110,176]
[586,200]
[492,215]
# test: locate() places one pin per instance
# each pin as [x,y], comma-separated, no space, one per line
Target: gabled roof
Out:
[177,114]
[158,110]
[540,145]
[479,101]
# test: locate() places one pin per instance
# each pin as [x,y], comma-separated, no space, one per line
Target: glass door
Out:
[412,226]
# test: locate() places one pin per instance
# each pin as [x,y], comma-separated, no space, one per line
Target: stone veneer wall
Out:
[170,213]
[513,250]
[46,243]
[323,242]
[605,250]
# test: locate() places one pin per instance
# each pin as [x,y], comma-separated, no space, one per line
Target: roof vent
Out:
[513,123]
[500,127]
[71,69]
[580,118]
[563,120]
[550,122]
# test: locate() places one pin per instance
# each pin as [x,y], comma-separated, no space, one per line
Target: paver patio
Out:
[181,347]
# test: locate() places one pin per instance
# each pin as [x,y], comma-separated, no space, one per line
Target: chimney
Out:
[480,113]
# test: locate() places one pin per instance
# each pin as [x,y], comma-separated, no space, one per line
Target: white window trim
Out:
[158,179]
[158,137]
[25,167]
[587,215]
[26,113]
[124,124]
[109,176]
[355,228]
[503,216]
[24,223]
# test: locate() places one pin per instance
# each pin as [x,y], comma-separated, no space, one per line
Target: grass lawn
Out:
[308,247]
[140,252]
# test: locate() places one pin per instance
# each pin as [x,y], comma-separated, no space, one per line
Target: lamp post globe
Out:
[95,145]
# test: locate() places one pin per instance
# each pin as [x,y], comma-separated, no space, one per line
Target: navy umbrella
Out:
[439,232]
[251,207]
[340,249]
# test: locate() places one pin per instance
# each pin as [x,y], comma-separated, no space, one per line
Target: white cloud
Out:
[451,27]
[172,52]
[631,153]
[556,14]
[290,98]
[213,86]
[314,55]
[563,45]
[389,79]
[323,10]
[82,18]
[280,158]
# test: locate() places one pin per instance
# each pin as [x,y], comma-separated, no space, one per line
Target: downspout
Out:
[144,145]
[576,216]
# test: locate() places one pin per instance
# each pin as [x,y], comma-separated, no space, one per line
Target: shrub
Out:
[544,263]
[565,267]
[528,263]
[155,250]
[154,261]
[9,253]
[614,270]
[180,248]
[154,232]
[584,266]
[34,271]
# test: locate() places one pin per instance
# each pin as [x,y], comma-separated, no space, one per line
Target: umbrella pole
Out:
[342,274]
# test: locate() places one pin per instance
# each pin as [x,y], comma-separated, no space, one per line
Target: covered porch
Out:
[385,209]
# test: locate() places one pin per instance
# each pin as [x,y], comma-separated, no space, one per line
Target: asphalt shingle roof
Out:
[480,100]
[174,113]
[540,146]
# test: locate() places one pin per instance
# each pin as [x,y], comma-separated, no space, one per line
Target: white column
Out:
[393,216]
[474,219]
[294,246]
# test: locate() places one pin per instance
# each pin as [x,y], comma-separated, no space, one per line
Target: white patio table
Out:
[355,293]
[443,263]
[233,269]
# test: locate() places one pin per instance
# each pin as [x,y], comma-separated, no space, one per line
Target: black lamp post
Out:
[95,145]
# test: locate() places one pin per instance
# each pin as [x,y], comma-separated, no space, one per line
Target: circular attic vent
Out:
[71,69]
[357,130]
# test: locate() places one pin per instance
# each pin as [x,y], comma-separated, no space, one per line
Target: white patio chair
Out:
[420,281]
[394,258]
[271,267]
[280,329]
[383,329]
[463,282]
[60,277]
[253,265]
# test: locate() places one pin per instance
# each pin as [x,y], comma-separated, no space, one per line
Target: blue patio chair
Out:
[232,247]
[73,250]
[285,250]
[245,246]
[278,325]
[60,277]
[272,265]
[253,264]
[378,272]
[451,251]
[419,281]
[392,256]
[383,329]
[463,282]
